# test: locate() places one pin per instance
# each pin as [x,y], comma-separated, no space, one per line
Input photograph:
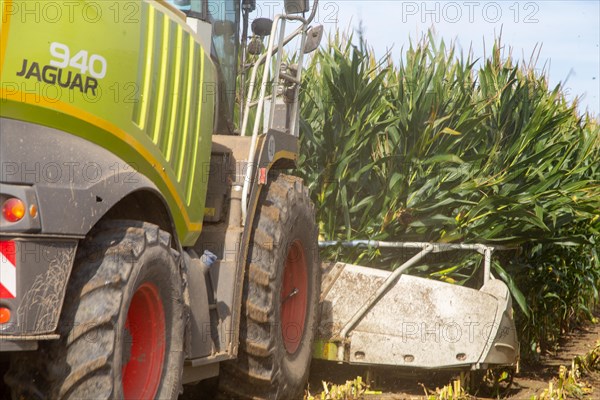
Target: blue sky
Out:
[568,31]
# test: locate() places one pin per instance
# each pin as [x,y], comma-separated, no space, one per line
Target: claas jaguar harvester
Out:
[152,235]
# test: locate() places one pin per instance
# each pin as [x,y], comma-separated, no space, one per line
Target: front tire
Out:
[281,293]
[122,322]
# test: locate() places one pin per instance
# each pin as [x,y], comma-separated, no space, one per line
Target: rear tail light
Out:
[4,315]
[13,210]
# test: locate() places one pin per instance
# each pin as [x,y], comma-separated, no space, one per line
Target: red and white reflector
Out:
[8,270]
[262,180]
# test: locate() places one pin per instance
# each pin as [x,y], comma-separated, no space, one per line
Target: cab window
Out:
[224,15]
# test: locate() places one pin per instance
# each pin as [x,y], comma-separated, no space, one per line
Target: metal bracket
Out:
[426,248]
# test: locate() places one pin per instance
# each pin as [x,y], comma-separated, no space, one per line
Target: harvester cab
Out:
[150,237]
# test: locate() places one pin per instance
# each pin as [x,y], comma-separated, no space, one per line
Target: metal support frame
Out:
[426,248]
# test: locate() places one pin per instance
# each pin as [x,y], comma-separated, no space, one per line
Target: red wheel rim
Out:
[144,351]
[294,297]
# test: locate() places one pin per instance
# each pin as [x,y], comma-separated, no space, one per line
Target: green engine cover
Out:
[130,76]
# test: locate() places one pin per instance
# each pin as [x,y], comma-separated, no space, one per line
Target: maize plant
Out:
[443,146]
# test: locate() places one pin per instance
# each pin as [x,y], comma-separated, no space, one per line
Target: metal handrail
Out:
[483,249]
[266,60]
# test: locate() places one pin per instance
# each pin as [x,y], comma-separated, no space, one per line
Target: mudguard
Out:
[75,181]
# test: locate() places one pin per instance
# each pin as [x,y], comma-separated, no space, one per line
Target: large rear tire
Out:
[281,293]
[121,326]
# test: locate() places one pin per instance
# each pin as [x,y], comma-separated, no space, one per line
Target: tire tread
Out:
[256,362]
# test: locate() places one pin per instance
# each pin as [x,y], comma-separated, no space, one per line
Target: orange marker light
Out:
[33,211]
[13,210]
[4,315]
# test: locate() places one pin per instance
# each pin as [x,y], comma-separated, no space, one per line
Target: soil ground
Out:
[530,381]
[411,385]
